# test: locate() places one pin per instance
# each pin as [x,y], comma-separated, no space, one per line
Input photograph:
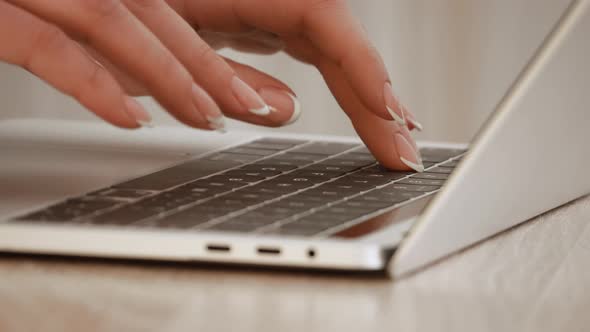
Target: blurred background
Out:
[450,62]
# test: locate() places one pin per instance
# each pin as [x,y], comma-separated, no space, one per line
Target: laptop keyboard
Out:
[271,185]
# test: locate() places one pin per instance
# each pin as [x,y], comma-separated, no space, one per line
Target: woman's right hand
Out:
[103,51]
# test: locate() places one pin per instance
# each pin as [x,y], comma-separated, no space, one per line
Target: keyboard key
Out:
[321,167]
[260,173]
[325,148]
[317,175]
[452,163]
[199,188]
[242,179]
[261,188]
[268,146]
[357,156]
[233,157]
[303,178]
[251,151]
[424,182]
[263,167]
[294,202]
[220,183]
[430,176]
[293,163]
[361,150]
[389,195]
[193,216]
[177,175]
[299,156]
[411,187]
[374,177]
[252,197]
[360,203]
[70,209]
[276,212]
[347,162]
[288,182]
[122,193]
[124,215]
[281,141]
[284,209]
[442,170]
[360,181]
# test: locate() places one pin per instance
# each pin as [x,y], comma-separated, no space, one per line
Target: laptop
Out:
[300,201]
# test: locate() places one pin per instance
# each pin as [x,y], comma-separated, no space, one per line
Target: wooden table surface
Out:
[535,277]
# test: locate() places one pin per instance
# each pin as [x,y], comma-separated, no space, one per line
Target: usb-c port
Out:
[218,247]
[268,250]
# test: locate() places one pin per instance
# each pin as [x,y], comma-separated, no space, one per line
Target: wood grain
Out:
[535,277]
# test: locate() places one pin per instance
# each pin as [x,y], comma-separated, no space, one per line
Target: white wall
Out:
[450,60]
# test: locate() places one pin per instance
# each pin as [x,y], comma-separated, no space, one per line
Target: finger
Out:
[284,105]
[331,28]
[130,84]
[280,98]
[258,42]
[389,142]
[206,66]
[48,53]
[109,27]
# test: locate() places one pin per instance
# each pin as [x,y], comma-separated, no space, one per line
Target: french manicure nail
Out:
[138,113]
[279,99]
[204,103]
[416,124]
[217,123]
[408,155]
[249,98]
[393,105]
[411,119]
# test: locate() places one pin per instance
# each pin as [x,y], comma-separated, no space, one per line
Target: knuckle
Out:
[172,67]
[97,80]
[49,39]
[207,57]
[204,53]
[102,9]
[145,4]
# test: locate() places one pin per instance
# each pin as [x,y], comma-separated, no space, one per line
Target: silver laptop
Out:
[300,201]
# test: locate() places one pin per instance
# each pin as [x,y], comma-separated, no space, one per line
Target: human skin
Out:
[104,52]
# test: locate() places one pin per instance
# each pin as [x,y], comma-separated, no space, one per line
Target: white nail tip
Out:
[417,167]
[296,110]
[217,123]
[265,110]
[417,125]
[146,124]
[400,120]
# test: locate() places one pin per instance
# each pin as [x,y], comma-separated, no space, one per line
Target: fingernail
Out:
[279,99]
[411,119]
[248,97]
[408,155]
[205,104]
[217,123]
[138,113]
[393,105]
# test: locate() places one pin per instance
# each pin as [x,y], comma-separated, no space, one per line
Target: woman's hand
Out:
[102,51]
